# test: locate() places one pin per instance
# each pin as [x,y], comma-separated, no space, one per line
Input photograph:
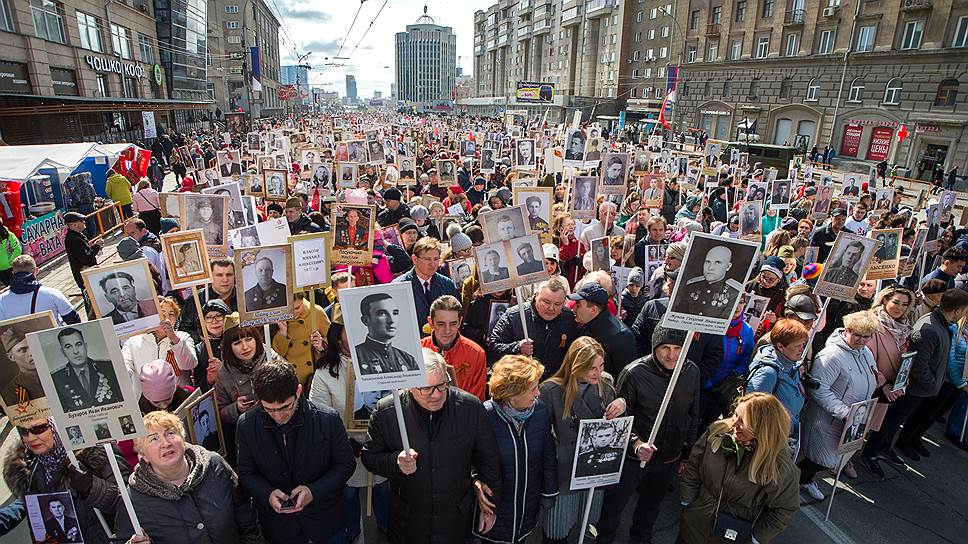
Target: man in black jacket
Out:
[431,488]
[706,350]
[643,385]
[591,311]
[299,222]
[394,210]
[823,237]
[298,501]
[81,253]
[551,329]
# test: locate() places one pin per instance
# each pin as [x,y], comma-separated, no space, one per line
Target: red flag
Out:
[902,133]
[662,117]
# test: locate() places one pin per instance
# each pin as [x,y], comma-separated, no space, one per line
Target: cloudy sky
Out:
[321,27]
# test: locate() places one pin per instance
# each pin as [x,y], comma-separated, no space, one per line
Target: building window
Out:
[144,44]
[665,32]
[650,54]
[826,45]
[740,10]
[947,93]
[48,18]
[691,54]
[639,17]
[768,8]
[635,55]
[727,88]
[813,90]
[792,45]
[856,93]
[232,25]
[912,35]
[89,28]
[121,41]
[663,52]
[755,88]
[762,46]
[892,93]
[130,87]
[638,37]
[735,49]
[654,13]
[102,85]
[785,86]
[6,20]
[235,40]
[648,72]
[707,88]
[712,52]
[632,92]
[865,39]
[651,33]
[694,20]
[231,9]
[716,15]
[961,33]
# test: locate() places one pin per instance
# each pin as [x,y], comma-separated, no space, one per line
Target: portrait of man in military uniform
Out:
[206,212]
[844,268]
[25,385]
[601,452]
[707,289]
[535,220]
[889,245]
[352,230]
[267,291]
[83,382]
[377,355]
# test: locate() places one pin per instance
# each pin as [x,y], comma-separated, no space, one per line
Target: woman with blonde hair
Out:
[777,240]
[740,476]
[522,426]
[847,374]
[580,389]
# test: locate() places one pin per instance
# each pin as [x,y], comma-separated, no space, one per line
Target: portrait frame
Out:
[454,266]
[596,466]
[489,222]
[215,239]
[407,177]
[584,207]
[172,244]
[310,261]
[37,506]
[520,162]
[191,415]
[357,254]
[351,169]
[780,190]
[747,230]
[849,441]
[572,157]
[886,260]
[252,311]
[545,195]
[272,191]
[903,372]
[649,199]
[23,401]
[140,278]
[448,179]
[605,186]
[831,281]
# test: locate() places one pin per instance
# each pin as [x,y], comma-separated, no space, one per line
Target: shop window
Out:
[856,93]
[947,93]
[892,93]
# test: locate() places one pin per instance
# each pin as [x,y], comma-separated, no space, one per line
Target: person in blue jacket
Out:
[776,368]
[721,388]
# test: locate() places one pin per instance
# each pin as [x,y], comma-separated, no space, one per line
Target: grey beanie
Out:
[636,277]
[129,249]
[460,242]
[419,212]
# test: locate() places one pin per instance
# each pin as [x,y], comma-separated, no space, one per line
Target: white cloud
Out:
[322,30]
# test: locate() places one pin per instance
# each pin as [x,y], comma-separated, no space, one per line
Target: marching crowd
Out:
[755,416]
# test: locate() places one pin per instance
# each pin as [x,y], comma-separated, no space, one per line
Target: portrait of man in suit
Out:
[60,527]
[267,292]
[857,425]
[119,290]
[528,263]
[84,382]
[377,355]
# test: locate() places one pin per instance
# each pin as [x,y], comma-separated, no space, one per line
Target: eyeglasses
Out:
[36,430]
[431,389]
[281,409]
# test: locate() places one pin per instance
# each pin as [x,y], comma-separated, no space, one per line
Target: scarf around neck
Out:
[52,461]
[519,417]
[898,330]
[145,480]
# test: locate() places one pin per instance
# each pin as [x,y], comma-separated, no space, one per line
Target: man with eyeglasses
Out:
[298,501]
[428,285]
[450,439]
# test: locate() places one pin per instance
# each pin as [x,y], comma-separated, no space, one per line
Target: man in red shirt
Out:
[462,354]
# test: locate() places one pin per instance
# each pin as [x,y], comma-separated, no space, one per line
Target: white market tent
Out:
[20,162]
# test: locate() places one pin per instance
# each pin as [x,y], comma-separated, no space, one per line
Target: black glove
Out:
[357,447]
[547,503]
[80,481]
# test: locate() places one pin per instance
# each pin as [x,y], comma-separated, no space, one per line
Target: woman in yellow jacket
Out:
[294,338]
[118,189]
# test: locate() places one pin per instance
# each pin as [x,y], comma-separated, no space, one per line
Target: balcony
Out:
[502,39]
[542,26]
[915,5]
[793,18]
[571,16]
[524,30]
[713,29]
[525,4]
[478,49]
[599,8]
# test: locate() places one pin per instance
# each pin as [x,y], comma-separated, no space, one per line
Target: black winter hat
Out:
[662,335]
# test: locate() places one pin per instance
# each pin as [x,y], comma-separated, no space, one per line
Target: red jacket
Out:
[467,358]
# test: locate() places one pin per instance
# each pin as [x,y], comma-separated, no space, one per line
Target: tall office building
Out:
[297,76]
[426,65]
[351,96]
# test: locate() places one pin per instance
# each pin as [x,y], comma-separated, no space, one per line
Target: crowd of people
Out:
[756,414]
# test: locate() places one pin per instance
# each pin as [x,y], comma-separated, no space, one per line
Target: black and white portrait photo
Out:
[20,387]
[206,213]
[524,155]
[495,312]
[593,150]
[846,266]
[600,452]
[253,142]
[756,191]
[75,436]
[583,198]
[528,257]
[206,430]
[821,203]
[852,185]
[711,279]
[53,518]
[407,172]
[127,425]
[711,156]
[347,175]
[460,269]
[487,160]
[229,163]
[855,426]
[615,169]
[321,174]
[124,293]
[904,371]
[887,256]
[264,283]
[376,153]
[537,202]
[447,172]
[492,264]
[275,184]
[82,371]
[780,194]
[356,151]
[750,220]
[383,336]
[641,164]
[468,148]
[234,211]
[600,254]
[575,148]
[504,224]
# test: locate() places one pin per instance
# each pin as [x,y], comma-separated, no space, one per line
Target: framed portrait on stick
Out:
[186,258]
[712,277]
[846,266]
[583,198]
[310,261]
[504,224]
[351,236]
[205,428]
[208,213]
[856,426]
[263,284]
[125,294]
[21,391]
[52,517]
[537,202]
[86,383]
[903,372]
[600,452]
[382,330]
[887,258]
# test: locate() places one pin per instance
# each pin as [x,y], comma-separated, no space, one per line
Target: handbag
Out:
[728,527]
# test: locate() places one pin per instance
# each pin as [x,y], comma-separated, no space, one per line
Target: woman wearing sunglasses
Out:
[40,465]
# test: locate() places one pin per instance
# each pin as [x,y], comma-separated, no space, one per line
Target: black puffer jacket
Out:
[615,338]
[269,459]
[706,350]
[551,338]
[436,503]
[24,475]
[643,384]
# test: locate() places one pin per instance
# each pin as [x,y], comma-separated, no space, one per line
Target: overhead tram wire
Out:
[350,29]
[368,29]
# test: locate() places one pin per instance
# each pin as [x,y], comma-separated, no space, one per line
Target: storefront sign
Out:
[880,143]
[921,129]
[13,77]
[156,70]
[714,112]
[874,123]
[64,81]
[534,92]
[851,141]
[43,237]
[104,64]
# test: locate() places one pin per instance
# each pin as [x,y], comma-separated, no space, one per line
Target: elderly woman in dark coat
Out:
[40,465]
[185,494]
[522,427]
